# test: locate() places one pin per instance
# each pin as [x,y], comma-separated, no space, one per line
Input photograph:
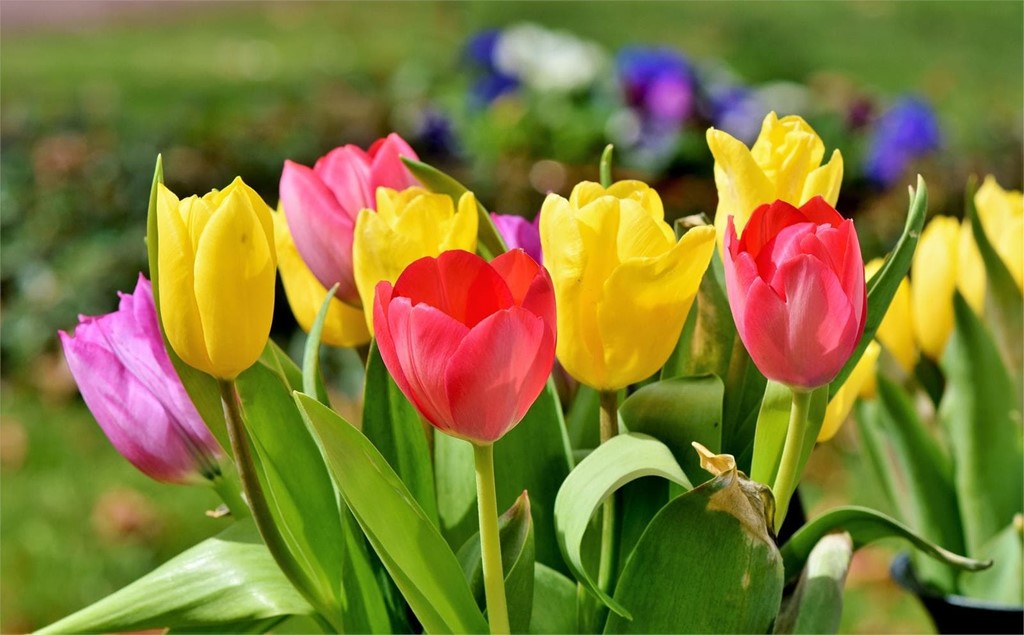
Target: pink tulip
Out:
[127,380]
[519,233]
[470,343]
[796,288]
[322,203]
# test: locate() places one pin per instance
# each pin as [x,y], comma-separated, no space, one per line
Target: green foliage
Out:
[816,605]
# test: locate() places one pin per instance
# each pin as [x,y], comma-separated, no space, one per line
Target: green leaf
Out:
[1004,300]
[249,626]
[882,286]
[298,487]
[406,539]
[772,426]
[201,388]
[706,564]
[924,480]
[515,533]
[874,442]
[678,412]
[223,580]
[622,459]
[581,421]
[533,456]
[489,241]
[311,383]
[864,526]
[982,417]
[554,602]
[1003,582]
[744,390]
[393,425]
[817,604]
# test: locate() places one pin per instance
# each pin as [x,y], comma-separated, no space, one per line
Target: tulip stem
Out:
[251,486]
[609,428]
[490,543]
[227,487]
[789,472]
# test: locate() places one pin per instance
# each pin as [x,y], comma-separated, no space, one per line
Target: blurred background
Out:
[514,99]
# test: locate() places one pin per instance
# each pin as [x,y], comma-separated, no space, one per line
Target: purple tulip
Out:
[517,232]
[127,380]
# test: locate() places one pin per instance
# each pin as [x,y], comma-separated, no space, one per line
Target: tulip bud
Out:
[216,273]
[344,325]
[783,164]
[127,380]
[407,226]
[795,280]
[933,280]
[618,270]
[470,344]
[861,383]
[322,204]
[1001,214]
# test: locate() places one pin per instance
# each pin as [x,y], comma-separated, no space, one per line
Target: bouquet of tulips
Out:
[473,495]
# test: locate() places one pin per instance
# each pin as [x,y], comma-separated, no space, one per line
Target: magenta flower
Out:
[127,380]
[795,280]
[322,203]
[519,233]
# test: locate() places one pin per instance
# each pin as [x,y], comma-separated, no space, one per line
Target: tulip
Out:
[344,325]
[322,204]
[896,332]
[216,274]
[469,343]
[127,380]
[933,281]
[795,280]
[783,164]
[860,383]
[618,270]
[519,233]
[1001,214]
[407,226]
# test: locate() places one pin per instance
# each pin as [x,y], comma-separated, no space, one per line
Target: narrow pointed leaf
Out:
[407,541]
[223,580]
[882,286]
[515,533]
[982,417]
[864,526]
[1004,582]
[554,602]
[392,424]
[311,382]
[622,459]
[705,345]
[817,604]
[678,412]
[489,241]
[706,564]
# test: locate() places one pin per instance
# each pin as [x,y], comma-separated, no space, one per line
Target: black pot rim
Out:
[902,572]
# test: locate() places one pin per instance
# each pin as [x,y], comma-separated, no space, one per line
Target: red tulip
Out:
[470,343]
[796,288]
[322,203]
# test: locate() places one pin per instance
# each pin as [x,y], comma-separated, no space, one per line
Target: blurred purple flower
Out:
[128,382]
[435,133]
[492,82]
[907,131]
[658,82]
[517,232]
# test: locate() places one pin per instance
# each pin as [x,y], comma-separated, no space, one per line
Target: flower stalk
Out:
[609,428]
[490,544]
[789,467]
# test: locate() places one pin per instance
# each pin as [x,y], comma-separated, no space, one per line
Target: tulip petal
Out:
[641,235]
[933,280]
[234,286]
[825,181]
[387,169]
[179,310]
[321,228]
[424,341]
[345,171]
[386,344]
[529,284]
[742,184]
[497,372]
[459,283]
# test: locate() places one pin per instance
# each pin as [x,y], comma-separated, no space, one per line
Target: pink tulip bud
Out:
[321,204]
[470,343]
[128,382]
[796,288]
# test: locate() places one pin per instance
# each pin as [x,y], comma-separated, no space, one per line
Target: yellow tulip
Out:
[344,325]
[933,280]
[784,163]
[407,226]
[861,383]
[896,332]
[623,283]
[1002,215]
[217,267]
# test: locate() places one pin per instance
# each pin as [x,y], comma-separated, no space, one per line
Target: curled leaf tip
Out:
[716,464]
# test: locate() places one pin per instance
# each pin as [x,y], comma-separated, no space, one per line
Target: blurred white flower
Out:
[546,60]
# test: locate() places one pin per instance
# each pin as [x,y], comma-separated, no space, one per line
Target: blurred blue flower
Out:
[480,48]
[435,133]
[737,110]
[658,82]
[492,81]
[907,131]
